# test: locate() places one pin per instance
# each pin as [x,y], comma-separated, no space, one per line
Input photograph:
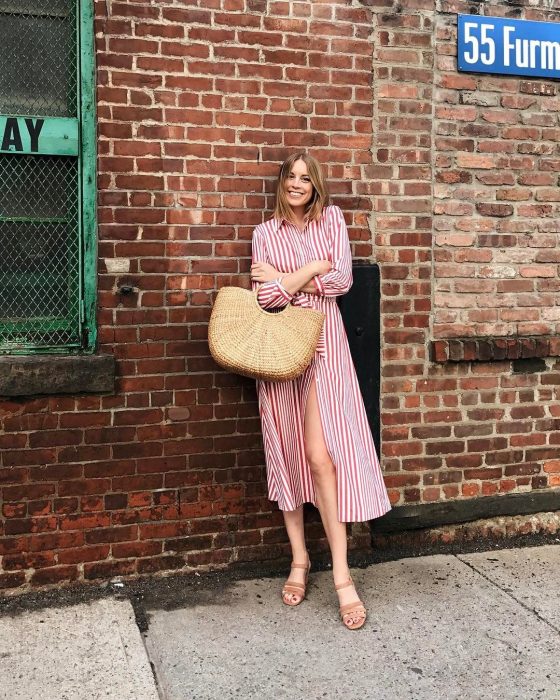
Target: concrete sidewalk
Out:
[473,626]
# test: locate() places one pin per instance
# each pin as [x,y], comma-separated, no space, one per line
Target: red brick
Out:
[85,522]
[54,574]
[83,554]
[161,563]
[12,579]
[109,569]
[494,209]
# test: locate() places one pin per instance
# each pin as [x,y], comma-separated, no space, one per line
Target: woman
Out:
[317,441]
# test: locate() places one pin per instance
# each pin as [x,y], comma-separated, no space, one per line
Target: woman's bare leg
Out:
[324,479]
[293,519]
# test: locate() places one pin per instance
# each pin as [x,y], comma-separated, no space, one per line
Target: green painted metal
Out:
[56,136]
[36,332]
[88,163]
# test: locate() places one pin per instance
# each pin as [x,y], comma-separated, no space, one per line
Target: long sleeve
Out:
[271,295]
[339,280]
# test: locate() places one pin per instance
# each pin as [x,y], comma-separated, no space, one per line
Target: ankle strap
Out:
[338,586]
[299,566]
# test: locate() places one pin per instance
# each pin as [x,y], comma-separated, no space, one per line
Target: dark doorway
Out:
[360,313]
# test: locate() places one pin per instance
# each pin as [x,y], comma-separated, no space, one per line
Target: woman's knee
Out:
[320,464]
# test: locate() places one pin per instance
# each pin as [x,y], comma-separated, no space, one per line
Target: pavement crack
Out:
[507,592]
[504,642]
[142,622]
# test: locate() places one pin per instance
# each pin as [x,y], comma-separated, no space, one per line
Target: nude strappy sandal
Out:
[356,608]
[294,587]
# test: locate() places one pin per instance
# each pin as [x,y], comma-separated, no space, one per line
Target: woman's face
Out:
[298,187]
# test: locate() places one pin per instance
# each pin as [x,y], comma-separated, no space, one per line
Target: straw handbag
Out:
[245,339]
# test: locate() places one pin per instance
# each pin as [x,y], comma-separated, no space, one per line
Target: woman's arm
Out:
[290,282]
[310,288]
[300,279]
[338,280]
[276,289]
[271,294]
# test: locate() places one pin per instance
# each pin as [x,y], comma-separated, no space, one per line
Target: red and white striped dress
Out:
[361,491]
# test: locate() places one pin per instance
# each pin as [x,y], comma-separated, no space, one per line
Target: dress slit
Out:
[313,371]
[307,379]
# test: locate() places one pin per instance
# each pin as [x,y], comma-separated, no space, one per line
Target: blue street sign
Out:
[508,46]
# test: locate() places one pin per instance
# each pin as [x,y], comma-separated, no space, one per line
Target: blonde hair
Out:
[319,198]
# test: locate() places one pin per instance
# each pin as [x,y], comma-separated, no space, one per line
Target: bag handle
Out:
[255,293]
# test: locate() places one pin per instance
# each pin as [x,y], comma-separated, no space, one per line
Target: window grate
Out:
[39,251]
[38,73]
[41,266]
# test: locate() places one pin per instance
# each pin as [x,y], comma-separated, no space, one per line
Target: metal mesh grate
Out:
[39,251]
[38,73]
[40,266]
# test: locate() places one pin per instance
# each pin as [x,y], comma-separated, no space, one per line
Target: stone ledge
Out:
[430,515]
[32,375]
[494,349]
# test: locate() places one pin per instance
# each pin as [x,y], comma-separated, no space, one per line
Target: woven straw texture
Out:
[245,339]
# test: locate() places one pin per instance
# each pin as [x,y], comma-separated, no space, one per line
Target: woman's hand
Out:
[322,267]
[263,272]
[300,280]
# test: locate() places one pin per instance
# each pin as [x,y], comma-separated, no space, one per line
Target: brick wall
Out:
[464,175]
[197,104]
[496,172]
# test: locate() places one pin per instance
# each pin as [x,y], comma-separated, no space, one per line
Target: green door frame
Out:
[88,173]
